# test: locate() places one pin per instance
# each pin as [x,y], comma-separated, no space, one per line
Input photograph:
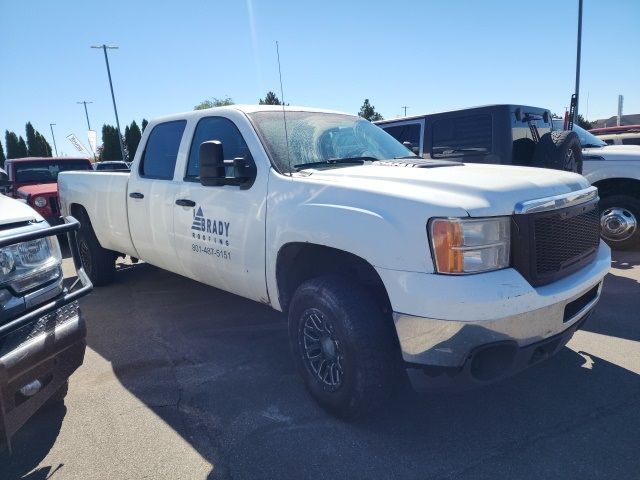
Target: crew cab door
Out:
[151,193]
[219,231]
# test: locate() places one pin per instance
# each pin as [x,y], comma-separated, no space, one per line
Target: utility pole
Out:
[84,102]
[54,138]
[575,113]
[405,110]
[113,97]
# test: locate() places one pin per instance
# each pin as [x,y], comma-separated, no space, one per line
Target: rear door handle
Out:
[183,202]
[136,195]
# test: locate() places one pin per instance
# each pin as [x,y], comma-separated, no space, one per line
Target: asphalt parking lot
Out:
[181,380]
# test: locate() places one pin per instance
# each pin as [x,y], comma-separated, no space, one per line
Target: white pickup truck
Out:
[615,170]
[461,274]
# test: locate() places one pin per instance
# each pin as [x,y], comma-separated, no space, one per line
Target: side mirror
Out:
[211,163]
[216,171]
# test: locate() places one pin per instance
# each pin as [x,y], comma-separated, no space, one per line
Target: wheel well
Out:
[299,262]
[618,186]
[79,212]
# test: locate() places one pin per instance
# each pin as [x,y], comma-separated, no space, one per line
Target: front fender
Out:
[389,233]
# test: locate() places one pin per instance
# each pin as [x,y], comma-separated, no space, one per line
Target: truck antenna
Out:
[284,114]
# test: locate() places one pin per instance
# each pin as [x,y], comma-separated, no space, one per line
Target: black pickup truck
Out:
[42,332]
[502,134]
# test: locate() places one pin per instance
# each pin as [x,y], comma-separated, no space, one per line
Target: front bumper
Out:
[47,351]
[45,343]
[444,329]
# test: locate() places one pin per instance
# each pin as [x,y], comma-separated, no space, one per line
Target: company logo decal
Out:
[211,230]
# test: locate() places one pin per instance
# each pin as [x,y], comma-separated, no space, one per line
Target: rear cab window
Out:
[462,135]
[158,160]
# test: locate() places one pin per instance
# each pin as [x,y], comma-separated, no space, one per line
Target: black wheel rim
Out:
[321,351]
[85,255]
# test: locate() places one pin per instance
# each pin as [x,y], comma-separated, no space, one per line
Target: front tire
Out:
[619,216]
[344,347]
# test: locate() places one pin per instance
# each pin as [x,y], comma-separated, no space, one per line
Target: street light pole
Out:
[84,102]
[405,110]
[54,138]
[575,113]
[113,97]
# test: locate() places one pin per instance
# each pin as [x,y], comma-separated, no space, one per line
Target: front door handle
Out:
[183,202]
[136,195]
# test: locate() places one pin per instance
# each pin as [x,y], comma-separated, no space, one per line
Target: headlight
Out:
[40,202]
[470,245]
[30,264]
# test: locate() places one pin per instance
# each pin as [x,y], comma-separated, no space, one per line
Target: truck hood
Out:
[481,190]
[14,211]
[614,152]
[39,189]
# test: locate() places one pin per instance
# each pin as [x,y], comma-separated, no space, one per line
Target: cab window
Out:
[161,151]
[215,128]
[408,132]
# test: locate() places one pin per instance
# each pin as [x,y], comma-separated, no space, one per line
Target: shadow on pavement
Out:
[216,368]
[618,312]
[31,444]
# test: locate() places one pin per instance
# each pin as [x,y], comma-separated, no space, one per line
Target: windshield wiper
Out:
[335,161]
[591,145]
[407,156]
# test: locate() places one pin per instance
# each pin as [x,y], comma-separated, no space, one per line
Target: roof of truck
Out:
[619,129]
[39,159]
[479,107]
[244,109]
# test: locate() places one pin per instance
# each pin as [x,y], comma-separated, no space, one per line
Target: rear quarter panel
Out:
[104,197]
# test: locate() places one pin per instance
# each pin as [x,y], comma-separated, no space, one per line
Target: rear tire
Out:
[344,347]
[619,216]
[560,150]
[99,263]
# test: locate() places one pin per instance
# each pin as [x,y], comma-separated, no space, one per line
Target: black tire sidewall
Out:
[102,261]
[307,297]
[552,149]
[367,340]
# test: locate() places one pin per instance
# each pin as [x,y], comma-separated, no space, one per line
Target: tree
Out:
[270,99]
[22,148]
[214,102]
[37,145]
[368,111]
[132,135]
[33,147]
[2,157]
[11,141]
[110,149]
[584,123]
[144,124]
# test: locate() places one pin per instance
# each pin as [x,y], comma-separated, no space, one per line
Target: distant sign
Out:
[77,144]
[93,139]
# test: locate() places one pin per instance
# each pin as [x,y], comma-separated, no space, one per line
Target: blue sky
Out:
[428,55]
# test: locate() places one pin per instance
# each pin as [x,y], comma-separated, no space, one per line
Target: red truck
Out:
[35,180]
